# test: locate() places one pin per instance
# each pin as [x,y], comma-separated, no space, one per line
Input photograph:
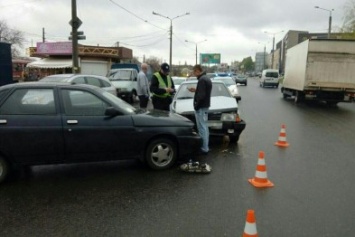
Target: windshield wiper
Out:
[184,98]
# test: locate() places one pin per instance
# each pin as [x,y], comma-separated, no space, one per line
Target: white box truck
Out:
[321,70]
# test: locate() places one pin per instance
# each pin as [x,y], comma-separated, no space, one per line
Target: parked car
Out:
[191,78]
[177,81]
[223,114]
[241,79]
[232,86]
[211,75]
[94,80]
[49,123]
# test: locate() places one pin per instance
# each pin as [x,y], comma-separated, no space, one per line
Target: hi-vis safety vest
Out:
[162,85]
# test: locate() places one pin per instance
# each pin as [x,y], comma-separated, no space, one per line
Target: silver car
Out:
[94,80]
[223,114]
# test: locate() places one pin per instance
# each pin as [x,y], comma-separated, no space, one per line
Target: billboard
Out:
[210,58]
[54,48]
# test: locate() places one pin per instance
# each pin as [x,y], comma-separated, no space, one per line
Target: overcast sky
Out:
[235,29]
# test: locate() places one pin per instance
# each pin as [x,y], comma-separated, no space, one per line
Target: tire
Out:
[299,97]
[161,154]
[331,103]
[4,169]
[132,97]
[233,138]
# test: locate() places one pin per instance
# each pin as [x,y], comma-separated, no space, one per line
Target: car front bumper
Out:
[189,145]
[228,128]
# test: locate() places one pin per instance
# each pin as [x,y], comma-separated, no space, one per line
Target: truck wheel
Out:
[331,103]
[299,97]
[4,169]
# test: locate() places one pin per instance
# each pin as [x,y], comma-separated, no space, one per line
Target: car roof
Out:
[38,84]
[222,78]
[195,81]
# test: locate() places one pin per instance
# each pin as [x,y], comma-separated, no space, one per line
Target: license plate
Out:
[230,130]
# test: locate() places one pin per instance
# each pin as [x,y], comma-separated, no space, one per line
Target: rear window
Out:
[272,74]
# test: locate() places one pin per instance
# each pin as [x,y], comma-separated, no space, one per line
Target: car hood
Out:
[160,118]
[218,103]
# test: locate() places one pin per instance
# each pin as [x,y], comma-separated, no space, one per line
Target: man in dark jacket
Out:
[162,87]
[202,101]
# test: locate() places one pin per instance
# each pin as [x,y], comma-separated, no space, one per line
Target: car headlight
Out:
[228,117]
[231,117]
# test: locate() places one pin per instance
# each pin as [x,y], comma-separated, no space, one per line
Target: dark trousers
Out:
[143,101]
[161,103]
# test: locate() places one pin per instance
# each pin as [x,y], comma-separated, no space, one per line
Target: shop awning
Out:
[51,63]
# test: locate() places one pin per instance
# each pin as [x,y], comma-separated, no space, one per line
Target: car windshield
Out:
[272,74]
[121,103]
[228,81]
[120,75]
[218,89]
[178,81]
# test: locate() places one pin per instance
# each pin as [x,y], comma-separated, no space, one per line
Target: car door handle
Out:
[72,121]
[3,121]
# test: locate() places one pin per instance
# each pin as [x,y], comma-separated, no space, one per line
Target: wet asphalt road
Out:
[313,193]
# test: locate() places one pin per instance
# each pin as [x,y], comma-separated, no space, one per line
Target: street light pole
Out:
[273,46]
[196,45]
[330,19]
[171,31]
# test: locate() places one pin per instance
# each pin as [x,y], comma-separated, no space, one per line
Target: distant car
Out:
[177,81]
[223,114]
[241,79]
[269,77]
[94,80]
[211,75]
[232,86]
[191,78]
[49,123]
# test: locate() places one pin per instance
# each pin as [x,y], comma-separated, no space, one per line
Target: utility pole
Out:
[170,32]
[75,23]
[43,35]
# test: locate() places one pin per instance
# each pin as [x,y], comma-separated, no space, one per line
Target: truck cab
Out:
[125,81]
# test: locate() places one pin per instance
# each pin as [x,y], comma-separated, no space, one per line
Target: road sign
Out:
[76,23]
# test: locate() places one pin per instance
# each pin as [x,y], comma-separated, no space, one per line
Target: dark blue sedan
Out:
[43,123]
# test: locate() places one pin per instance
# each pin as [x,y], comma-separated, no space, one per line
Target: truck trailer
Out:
[322,70]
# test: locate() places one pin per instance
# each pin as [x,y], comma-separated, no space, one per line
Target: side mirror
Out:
[112,112]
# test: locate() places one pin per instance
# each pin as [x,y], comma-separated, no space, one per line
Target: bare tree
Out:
[349,17]
[154,63]
[14,37]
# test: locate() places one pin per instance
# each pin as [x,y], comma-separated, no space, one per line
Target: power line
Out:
[140,18]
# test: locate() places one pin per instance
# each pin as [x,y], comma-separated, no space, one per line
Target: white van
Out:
[125,81]
[269,77]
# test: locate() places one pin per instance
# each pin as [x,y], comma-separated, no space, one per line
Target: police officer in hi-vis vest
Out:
[162,87]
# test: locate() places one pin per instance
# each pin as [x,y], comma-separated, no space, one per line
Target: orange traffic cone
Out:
[260,180]
[282,138]
[250,225]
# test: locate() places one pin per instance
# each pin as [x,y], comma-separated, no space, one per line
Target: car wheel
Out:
[132,97]
[4,169]
[161,154]
[233,138]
